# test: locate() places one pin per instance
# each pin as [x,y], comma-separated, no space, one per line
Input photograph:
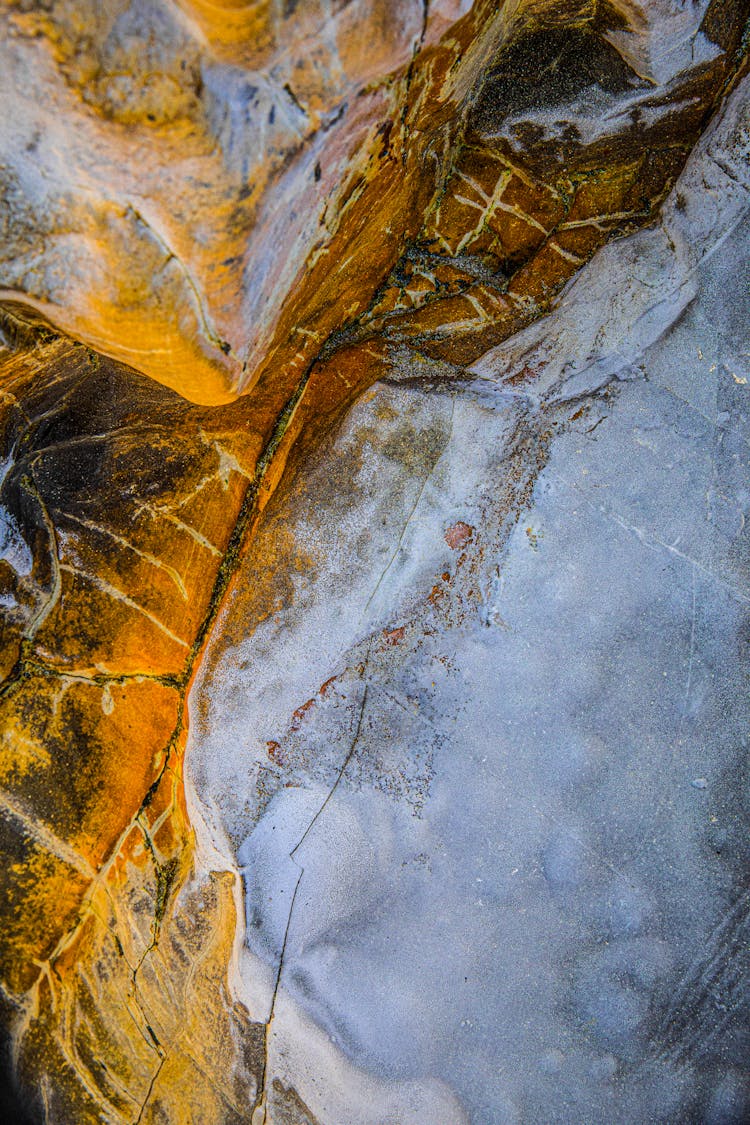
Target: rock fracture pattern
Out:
[375,562]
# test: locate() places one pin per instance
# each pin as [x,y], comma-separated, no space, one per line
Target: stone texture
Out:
[207,192]
[477,749]
[124,510]
[319,703]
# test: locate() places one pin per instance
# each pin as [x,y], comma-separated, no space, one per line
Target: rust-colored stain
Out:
[299,714]
[275,753]
[458,535]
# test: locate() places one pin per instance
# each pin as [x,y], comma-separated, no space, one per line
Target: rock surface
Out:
[374,745]
[208,191]
[478,749]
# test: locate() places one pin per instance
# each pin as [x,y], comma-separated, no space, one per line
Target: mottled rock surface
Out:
[374,745]
[494,849]
[208,191]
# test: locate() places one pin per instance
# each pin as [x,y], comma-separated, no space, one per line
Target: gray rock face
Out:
[484,771]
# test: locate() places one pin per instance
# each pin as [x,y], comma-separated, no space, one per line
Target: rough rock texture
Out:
[445,616]
[207,191]
[479,748]
[119,533]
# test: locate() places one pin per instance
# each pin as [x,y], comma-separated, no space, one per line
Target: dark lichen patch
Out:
[417,449]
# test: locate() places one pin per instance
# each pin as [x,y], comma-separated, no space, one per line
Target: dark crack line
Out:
[150,1091]
[261,1098]
[247,510]
[339,776]
[99,679]
[221,582]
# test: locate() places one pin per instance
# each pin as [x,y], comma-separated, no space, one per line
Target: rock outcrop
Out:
[345,251]
[207,192]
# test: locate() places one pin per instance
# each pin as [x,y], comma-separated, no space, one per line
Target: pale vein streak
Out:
[44,836]
[651,540]
[186,527]
[118,595]
[149,558]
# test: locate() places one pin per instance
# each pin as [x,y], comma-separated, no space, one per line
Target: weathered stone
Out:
[477,748]
[362,214]
[126,510]
[208,192]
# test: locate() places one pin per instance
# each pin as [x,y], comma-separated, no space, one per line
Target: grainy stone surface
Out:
[208,191]
[482,766]
[373,746]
